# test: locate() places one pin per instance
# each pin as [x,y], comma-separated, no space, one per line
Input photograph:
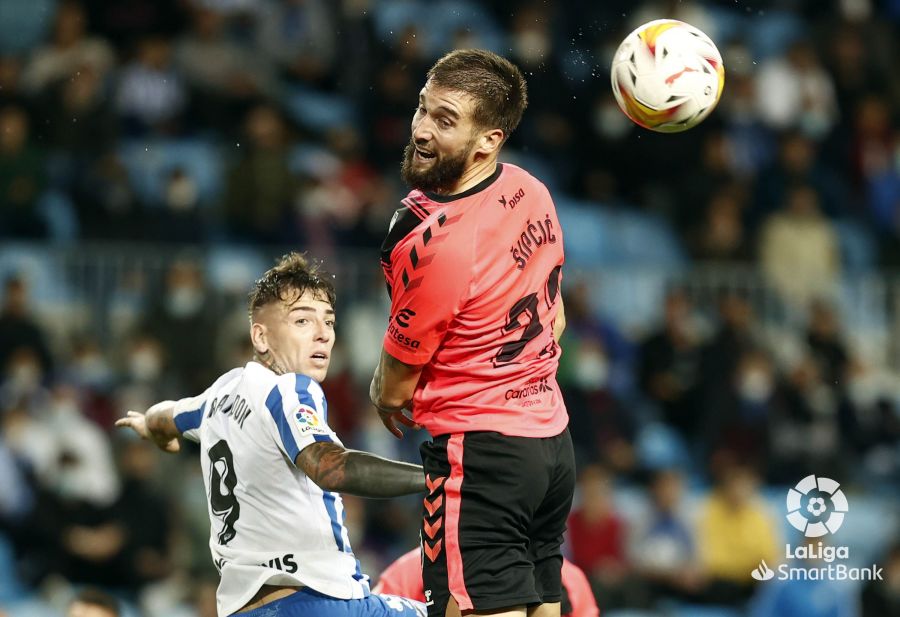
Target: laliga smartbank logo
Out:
[811,519]
[816,506]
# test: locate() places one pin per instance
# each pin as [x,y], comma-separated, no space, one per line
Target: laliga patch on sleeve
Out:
[309,421]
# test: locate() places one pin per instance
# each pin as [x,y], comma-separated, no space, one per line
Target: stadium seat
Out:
[659,446]
[859,250]
[772,32]
[41,268]
[150,163]
[318,111]
[232,270]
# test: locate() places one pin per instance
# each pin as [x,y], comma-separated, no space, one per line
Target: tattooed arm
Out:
[334,468]
[157,425]
[392,390]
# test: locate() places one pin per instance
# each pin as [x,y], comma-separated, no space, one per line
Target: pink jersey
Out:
[474,280]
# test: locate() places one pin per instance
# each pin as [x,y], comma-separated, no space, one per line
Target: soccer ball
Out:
[667,76]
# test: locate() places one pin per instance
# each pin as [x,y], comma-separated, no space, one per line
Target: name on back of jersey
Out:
[234,407]
[534,235]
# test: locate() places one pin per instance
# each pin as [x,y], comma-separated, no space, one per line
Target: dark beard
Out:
[443,174]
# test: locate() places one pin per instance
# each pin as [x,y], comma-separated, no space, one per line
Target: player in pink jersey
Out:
[403,578]
[473,262]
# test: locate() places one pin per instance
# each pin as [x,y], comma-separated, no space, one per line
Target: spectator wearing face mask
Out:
[182,320]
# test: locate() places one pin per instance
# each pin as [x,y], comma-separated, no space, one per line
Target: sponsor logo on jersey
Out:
[403,316]
[531,388]
[513,201]
[395,333]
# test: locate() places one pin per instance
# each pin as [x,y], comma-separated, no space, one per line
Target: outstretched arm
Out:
[392,390]
[156,425]
[335,468]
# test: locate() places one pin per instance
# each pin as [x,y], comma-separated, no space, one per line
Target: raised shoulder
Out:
[308,390]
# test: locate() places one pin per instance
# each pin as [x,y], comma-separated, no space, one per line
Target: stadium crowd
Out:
[156,133]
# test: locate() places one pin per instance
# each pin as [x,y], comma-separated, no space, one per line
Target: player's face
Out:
[443,139]
[300,334]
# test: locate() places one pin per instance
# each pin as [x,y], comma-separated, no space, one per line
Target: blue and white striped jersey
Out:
[269,523]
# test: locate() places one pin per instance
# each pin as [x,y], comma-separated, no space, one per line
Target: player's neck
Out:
[472,176]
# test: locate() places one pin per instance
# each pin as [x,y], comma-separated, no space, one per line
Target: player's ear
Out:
[259,337]
[490,141]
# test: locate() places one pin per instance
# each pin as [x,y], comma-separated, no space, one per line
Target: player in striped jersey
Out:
[274,469]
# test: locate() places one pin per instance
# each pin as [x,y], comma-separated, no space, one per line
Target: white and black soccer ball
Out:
[667,76]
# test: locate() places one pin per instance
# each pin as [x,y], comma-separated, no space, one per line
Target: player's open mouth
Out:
[424,155]
[319,356]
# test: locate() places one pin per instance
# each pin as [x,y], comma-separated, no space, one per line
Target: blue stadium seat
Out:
[312,160]
[659,446]
[233,269]
[41,269]
[770,33]
[24,24]
[391,17]
[319,111]
[859,250]
[150,163]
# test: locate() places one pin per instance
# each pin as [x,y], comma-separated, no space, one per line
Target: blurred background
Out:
[731,292]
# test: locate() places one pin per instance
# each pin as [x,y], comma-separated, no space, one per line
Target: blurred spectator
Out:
[851,64]
[669,364]
[300,36]
[805,431]
[734,533]
[151,95]
[720,356]
[125,21]
[22,178]
[10,81]
[722,236]
[883,597]
[799,163]
[799,250]
[597,538]
[19,329]
[93,603]
[739,409]
[261,187]
[223,76]
[795,92]
[69,51]
[180,319]
[146,555]
[664,550]
[592,369]
[78,124]
[826,343]
[107,203]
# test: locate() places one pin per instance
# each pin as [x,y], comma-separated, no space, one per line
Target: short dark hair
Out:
[293,273]
[96,597]
[496,84]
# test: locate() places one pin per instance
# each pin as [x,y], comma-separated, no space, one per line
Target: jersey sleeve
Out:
[428,288]
[189,412]
[299,413]
[188,415]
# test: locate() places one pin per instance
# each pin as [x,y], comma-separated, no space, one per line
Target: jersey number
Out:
[527,305]
[222,501]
